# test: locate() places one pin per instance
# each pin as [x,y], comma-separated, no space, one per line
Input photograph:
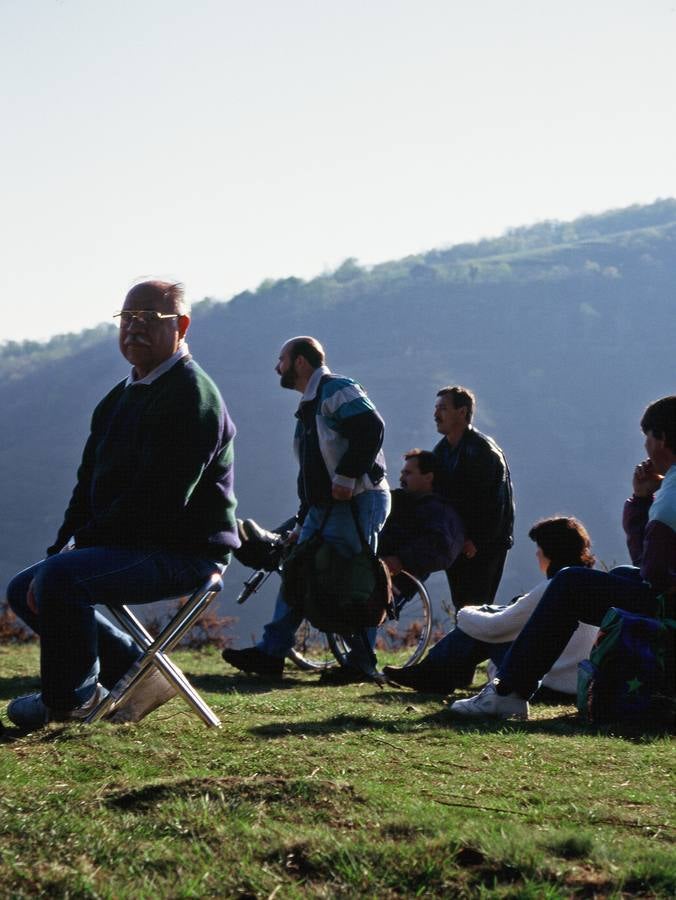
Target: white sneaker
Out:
[488,703]
[153,692]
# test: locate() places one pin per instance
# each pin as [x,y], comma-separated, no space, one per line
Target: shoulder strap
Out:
[365,544]
[329,507]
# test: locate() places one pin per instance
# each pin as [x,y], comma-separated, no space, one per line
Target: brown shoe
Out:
[254,662]
[427,679]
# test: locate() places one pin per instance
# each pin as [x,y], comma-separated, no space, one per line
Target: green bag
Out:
[630,671]
[337,593]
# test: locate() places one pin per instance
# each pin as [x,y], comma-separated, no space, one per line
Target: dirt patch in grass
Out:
[259,789]
[589,882]
[402,831]
[469,857]
[297,862]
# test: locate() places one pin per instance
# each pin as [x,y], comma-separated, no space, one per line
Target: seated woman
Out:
[486,632]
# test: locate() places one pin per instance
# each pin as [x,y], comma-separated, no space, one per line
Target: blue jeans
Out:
[457,655]
[574,595]
[79,646]
[372,508]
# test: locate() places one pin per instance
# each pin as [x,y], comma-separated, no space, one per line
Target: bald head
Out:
[308,347]
[147,340]
[298,359]
[163,296]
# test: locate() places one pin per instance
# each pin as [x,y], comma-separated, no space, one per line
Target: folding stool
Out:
[155,650]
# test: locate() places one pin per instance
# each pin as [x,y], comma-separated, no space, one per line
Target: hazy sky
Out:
[225,142]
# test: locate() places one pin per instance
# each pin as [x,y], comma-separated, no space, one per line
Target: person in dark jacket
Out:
[423,532]
[477,482]
[577,594]
[152,515]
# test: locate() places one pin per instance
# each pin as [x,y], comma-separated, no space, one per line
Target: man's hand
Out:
[340,492]
[393,563]
[645,481]
[469,549]
[31,601]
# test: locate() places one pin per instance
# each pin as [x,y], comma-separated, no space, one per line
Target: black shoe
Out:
[254,662]
[424,678]
[349,675]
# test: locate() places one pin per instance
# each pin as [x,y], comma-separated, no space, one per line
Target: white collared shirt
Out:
[158,370]
[313,383]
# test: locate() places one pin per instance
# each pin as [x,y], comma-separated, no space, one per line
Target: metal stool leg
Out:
[129,683]
[155,655]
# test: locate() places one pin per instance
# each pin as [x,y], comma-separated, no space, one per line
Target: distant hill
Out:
[564,330]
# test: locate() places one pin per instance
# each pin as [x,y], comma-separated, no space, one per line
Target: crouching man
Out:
[423,532]
[151,516]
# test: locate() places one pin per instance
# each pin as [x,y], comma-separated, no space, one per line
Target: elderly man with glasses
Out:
[151,516]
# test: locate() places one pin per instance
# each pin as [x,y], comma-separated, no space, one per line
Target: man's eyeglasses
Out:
[145,316]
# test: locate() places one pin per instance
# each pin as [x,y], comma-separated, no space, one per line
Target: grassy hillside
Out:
[565,331]
[330,792]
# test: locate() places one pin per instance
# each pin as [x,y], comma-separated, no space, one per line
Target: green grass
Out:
[330,792]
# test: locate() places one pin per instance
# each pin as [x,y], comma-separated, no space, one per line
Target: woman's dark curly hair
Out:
[564,541]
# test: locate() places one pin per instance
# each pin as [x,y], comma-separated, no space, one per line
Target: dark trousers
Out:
[574,595]
[457,654]
[475,581]
[79,646]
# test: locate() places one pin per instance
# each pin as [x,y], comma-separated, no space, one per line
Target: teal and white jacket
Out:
[338,440]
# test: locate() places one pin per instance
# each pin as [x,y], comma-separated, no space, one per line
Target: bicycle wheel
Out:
[410,631]
[312,651]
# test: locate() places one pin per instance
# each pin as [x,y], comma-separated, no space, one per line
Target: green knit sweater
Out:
[157,469]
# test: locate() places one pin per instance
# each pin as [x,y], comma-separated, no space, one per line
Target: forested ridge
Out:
[564,330]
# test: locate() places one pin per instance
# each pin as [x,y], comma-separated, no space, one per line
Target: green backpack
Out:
[337,593]
[629,675]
